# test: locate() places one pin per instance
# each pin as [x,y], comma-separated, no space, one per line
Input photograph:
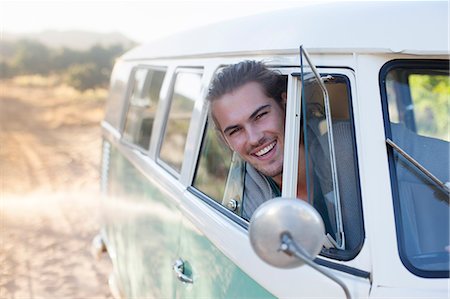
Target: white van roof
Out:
[411,27]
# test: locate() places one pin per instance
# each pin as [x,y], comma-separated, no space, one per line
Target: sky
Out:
[141,21]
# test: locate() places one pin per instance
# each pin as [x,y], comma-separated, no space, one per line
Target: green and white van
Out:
[371,79]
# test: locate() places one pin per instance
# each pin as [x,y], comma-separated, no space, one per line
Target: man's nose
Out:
[255,136]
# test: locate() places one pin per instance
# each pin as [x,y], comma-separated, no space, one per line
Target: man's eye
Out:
[234,131]
[261,115]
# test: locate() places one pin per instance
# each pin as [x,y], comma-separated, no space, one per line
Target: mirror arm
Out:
[289,247]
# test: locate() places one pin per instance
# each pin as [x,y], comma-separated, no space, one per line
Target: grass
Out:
[60,89]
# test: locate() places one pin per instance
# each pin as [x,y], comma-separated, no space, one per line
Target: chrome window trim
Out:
[162,124]
[134,69]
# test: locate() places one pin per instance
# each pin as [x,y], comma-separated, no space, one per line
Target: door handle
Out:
[178,267]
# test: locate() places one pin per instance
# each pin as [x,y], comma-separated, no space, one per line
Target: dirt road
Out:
[49,159]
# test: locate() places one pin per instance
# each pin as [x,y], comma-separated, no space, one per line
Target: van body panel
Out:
[143,219]
[154,215]
[408,292]
[375,184]
[143,224]
[232,240]
[214,275]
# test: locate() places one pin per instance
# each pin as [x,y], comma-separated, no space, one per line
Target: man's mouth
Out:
[265,150]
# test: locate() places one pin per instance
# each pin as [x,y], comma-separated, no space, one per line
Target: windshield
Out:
[416,103]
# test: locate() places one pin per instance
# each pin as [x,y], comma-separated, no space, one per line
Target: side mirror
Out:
[286,218]
[288,233]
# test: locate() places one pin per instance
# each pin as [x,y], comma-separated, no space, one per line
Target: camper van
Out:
[368,92]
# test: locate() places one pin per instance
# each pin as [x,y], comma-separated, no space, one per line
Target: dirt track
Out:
[49,159]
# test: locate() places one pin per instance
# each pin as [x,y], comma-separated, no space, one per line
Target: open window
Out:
[319,122]
[326,133]
[213,165]
[316,137]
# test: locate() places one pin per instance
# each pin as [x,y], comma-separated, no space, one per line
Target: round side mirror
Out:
[282,216]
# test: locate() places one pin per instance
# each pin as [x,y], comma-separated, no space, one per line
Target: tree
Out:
[86,76]
[81,69]
[31,58]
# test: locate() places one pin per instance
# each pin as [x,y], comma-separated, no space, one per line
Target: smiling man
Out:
[247,104]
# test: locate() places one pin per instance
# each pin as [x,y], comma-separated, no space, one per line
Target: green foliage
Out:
[214,165]
[431,97]
[64,58]
[81,69]
[86,76]
[31,58]
[5,70]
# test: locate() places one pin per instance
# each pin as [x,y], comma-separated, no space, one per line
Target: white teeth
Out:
[265,150]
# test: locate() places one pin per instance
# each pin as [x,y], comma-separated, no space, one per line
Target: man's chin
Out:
[270,172]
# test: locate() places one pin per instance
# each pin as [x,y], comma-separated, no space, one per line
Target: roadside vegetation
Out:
[82,70]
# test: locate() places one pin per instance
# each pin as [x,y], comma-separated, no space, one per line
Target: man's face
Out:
[253,126]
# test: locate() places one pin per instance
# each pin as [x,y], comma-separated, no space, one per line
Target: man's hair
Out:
[236,75]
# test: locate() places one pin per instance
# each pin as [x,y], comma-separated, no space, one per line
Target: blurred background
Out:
[55,61]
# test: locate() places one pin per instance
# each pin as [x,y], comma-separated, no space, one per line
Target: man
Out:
[247,104]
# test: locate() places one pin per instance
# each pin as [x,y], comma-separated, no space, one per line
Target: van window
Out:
[415,101]
[223,176]
[115,105]
[339,205]
[227,179]
[143,103]
[213,165]
[186,91]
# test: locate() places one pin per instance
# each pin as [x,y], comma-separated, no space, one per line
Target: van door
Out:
[215,246]
[141,213]
[142,225]
[213,272]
